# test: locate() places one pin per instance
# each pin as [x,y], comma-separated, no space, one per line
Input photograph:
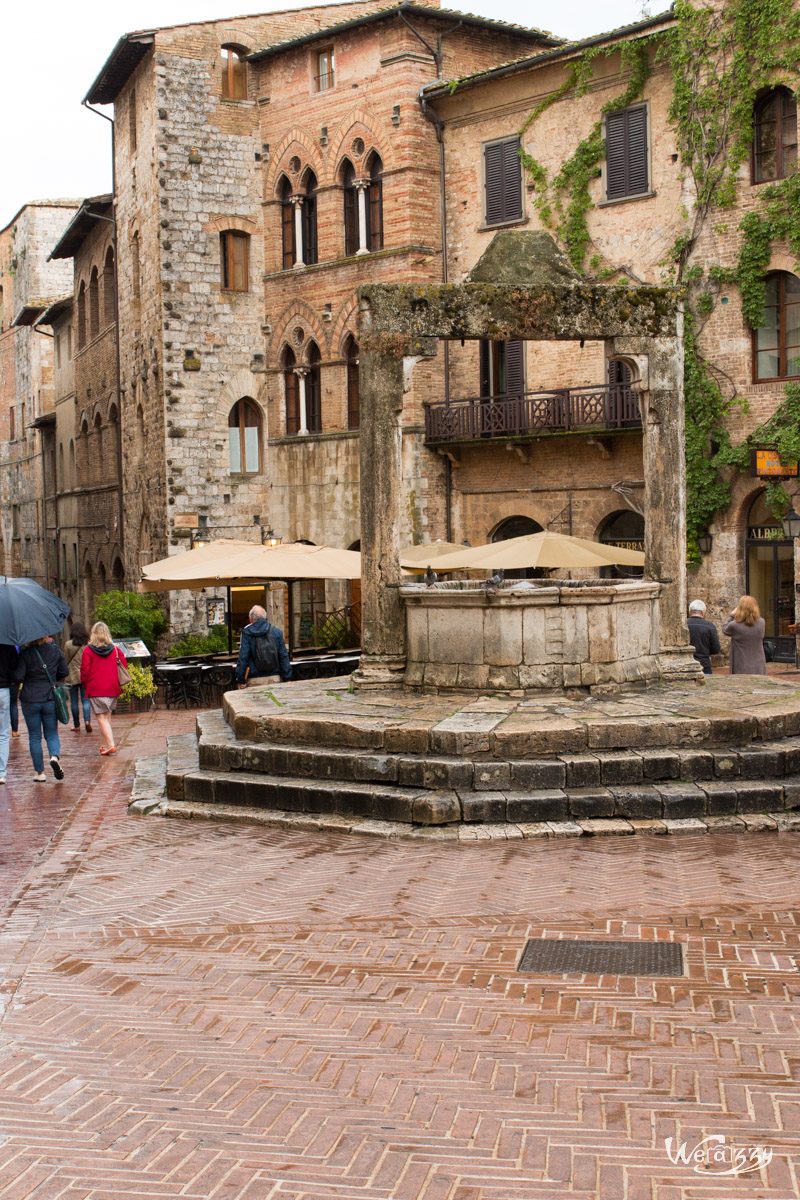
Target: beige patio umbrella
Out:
[229,563]
[414,559]
[543,549]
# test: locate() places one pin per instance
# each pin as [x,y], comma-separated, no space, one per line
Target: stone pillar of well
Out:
[657,367]
[380,435]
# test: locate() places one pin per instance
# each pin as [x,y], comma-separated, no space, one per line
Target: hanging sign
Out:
[768,464]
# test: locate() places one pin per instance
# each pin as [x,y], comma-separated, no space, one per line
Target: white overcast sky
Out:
[52,147]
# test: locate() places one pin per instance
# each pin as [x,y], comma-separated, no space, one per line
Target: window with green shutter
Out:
[627,172]
[502,181]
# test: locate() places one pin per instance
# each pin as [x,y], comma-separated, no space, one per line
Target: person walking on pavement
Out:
[262,653]
[73,653]
[746,627]
[40,666]
[100,679]
[703,635]
[9,657]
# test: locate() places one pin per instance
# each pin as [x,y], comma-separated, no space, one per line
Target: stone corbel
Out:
[451,452]
[523,453]
[604,445]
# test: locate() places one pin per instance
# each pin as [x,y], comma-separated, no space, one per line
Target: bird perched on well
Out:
[430,577]
[495,580]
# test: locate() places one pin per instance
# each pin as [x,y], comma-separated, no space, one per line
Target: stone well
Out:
[601,635]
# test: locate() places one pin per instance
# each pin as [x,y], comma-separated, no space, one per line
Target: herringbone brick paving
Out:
[197,1011]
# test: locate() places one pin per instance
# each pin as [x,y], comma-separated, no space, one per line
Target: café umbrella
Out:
[28,611]
[545,549]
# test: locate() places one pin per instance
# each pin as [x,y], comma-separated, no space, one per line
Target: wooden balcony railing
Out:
[562,410]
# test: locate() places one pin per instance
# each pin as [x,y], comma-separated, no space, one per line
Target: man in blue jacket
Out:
[262,653]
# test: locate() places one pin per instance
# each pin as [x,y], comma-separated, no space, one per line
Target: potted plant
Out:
[137,695]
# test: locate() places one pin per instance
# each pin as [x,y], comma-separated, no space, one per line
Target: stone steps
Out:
[256,784]
[626,770]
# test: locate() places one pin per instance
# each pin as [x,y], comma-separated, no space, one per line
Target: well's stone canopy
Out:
[539,298]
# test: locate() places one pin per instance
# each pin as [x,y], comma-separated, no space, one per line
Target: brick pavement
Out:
[200,1011]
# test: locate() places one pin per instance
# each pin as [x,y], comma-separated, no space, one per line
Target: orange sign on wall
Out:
[768,463]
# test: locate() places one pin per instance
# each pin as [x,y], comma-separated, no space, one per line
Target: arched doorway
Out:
[626,529]
[769,560]
[514,527]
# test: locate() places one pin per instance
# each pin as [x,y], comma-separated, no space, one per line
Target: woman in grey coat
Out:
[745,627]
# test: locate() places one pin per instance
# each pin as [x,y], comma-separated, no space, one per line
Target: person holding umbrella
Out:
[28,615]
[41,665]
[8,663]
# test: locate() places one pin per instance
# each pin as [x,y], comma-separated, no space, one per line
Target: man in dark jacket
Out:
[8,663]
[250,665]
[703,635]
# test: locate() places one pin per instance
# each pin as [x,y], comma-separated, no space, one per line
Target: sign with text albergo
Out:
[767,464]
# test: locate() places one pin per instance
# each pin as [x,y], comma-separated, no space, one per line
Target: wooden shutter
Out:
[292,402]
[515,368]
[626,153]
[375,215]
[287,223]
[310,228]
[503,181]
[486,368]
[512,180]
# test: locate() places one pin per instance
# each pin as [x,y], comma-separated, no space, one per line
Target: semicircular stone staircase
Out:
[669,759]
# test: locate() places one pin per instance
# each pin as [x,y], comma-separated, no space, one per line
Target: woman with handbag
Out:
[41,665]
[73,653]
[103,673]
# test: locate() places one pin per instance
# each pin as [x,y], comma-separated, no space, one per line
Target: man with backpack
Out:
[262,653]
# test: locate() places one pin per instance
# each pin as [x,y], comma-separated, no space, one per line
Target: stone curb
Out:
[149,798]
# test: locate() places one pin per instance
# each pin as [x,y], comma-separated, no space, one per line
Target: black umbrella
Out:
[28,612]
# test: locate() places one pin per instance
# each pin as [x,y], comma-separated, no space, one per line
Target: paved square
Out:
[191,1010]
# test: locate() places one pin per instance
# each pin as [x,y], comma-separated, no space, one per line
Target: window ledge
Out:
[237,103]
[627,199]
[504,224]
[350,260]
[243,476]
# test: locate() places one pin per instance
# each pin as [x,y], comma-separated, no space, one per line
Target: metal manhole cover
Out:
[554,956]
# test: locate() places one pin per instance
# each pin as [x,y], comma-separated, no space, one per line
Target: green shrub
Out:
[129,615]
[215,642]
[141,684]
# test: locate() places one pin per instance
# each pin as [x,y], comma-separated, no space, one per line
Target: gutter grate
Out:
[557,956]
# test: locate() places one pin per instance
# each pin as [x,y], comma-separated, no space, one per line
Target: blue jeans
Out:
[76,695]
[13,695]
[41,718]
[5,727]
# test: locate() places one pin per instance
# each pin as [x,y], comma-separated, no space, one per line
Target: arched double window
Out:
[244,438]
[353,400]
[363,207]
[774,135]
[234,74]
[302,385]
[776,343]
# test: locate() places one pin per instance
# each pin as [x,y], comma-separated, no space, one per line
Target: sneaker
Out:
[2,779]
[58,770]
[40,778]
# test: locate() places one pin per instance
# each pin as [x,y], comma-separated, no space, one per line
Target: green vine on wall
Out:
[719,58]
[564,203]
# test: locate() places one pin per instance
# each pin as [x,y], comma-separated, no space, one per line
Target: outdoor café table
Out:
[181,683]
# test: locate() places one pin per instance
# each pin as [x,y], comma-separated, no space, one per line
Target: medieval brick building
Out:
[29,283]
[264,168]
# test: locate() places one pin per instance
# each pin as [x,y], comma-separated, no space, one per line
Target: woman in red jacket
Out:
[100,679]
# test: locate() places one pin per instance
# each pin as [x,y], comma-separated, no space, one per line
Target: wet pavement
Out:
[192,1010]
